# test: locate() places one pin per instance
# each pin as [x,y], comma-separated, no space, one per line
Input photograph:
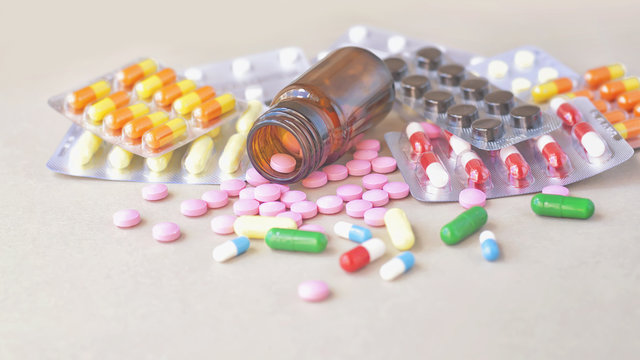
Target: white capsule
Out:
[524,59]
[593,144]
[547,74]
[397,266]
[458,145]
[543,140]
[396,43]
[230,249]
[375,247]
[352,232]
[485,235]
[413,127]
[520,85]
[556,102]
[437,175]
[497,69]
[505,152]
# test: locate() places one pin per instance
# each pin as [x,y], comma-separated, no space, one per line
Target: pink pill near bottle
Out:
[253,177]
[375,216]
[194,207]
[232,186]
[292,215]
[215,198]
[307,209]
[246,207]
[374,181]
[330,204]
[349,192]
[365,155]
[166,232]
[396,190]
[223,224]
[126,218]
[315,180]
[292,196]
[377,197]
[283,163]
[267,192]
[359,167]
[313,227]
[271,208]
[247,193]
[336,172]
[357,208]
[384,164]
[313,290]
[368,144]
[155,192]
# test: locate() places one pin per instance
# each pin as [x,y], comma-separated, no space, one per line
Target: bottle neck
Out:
[290,127]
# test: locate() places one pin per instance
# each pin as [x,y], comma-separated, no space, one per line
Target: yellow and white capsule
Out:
[232,154]
[198,155]
[84,149]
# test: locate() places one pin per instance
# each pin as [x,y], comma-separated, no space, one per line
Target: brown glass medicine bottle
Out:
[316,118]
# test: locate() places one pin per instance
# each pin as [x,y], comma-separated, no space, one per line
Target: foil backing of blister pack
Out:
[500,185]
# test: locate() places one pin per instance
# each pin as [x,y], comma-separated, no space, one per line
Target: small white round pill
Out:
[396,43]
[520,85]
[254,92]
[497,69]
[240,66]
[547,74]
[357,34]
[288,56]
[524,59]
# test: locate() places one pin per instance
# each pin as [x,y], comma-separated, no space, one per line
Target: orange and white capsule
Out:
[135,128]
[214,108]
[78,100]
[185,104]
[153,83]
[546,91]
[119,118]
[615,116]
[168,94]
[97,111]
[601,105]
[613,89]
[629,100]
[598,76]
[636,111]
[136,72]
[628,129]
[163,135]
[584,93]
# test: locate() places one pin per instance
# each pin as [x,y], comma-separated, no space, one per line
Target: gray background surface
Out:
[73,286]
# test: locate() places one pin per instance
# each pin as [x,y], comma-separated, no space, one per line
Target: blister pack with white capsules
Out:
[438,165]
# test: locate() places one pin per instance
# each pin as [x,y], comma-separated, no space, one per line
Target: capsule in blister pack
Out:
[144,108]
[562,157]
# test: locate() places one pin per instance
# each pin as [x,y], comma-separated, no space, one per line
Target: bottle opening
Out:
[272,140]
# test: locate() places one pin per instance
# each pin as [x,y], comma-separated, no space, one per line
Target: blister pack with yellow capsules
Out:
[211,157]
[433,83]
[439,165]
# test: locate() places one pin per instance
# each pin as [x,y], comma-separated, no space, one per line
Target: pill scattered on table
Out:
[349,192]
[375,216]
[352,232]
[356,208]
[396,190]
[215,198]
[307,209]
[292,196]
[374,181]
[330,204]
[313,290]
[223,224]
[336,172]
[246,207]
[315,180]
[472,197]
[231,248]
[397,266]
[193,207]
[166,232]
[555,190]
[489,246]
[358,257]
[232,186]
[126,218]
[155,192]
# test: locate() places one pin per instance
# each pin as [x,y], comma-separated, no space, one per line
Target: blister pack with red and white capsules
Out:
[172,112]
[438,165]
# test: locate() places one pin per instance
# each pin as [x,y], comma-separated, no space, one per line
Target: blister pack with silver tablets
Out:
[439,166]
[217,154]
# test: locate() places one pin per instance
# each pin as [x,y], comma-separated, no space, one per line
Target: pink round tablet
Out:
[292,196]
[365,155]
[313,227]
[336,172]
[166,232]
[313,290]
[315,180]
[375,216]
[356,208]
[432,130]
[283,188]
[374,181]
[377,197]
[155,192]
[232,186]
[555,190]
[246,207]
[368,144]
[472,197]
[330,204]
[349,192]
[254,178]
[359,167]
[396,190]
[126,218]
[292,215]
[272,208]
[223,224]
[193,207]
[215,198]
[383,164]
[283,163]
[307,209]
[267,192]
[247,193]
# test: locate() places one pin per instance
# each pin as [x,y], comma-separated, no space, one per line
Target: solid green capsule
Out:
[296,240]
[562,206]
[464,225]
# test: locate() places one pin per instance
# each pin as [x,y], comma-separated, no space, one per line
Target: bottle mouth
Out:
[284,131]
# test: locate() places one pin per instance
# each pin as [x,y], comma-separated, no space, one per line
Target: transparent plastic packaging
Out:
[432,83]
[558,158]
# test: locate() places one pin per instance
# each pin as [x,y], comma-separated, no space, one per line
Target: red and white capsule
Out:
[551,151]
[565,111]
[434,170]
[418,138]
[458,146]
[474,167]
[592,143]
[361,255]
[515,162]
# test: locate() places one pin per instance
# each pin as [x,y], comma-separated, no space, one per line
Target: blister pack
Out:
[438,168]
[432,83]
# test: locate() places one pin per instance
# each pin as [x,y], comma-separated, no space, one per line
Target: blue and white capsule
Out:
[352,232]
[230,249]
[397,266]
[489,246]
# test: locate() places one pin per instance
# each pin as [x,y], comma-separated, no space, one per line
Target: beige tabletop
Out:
[73,286]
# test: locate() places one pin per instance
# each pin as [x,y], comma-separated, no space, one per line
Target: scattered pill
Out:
[524,59]
[336,172]
[246,207]
[136,72]
[399,229]
[471,197]
[329,204]
[296,217]
[247,193]
[267,192]
[307,209]
[375,216]
[374,181]
[193,207]
[497,69]
[590,140]
[292,196]
[562,206]
[368,144]
[628,129]
[232,186]
[356,208]
[315,180]
[365,155]
[377,197]
[283,163]
[627,101]
[215,198]
[223,224]
[126,218]
[397,266]
[352,232]
[555,190]
[359,167]
[166,232]
[547,74]
[313,290]
[383,164]
[254,178]
[231,248]
[362,255]
[155,192]
[256,227]
[396,189]
[463,225]
[296,240]
[272,208]
[489,246]
[349,192]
